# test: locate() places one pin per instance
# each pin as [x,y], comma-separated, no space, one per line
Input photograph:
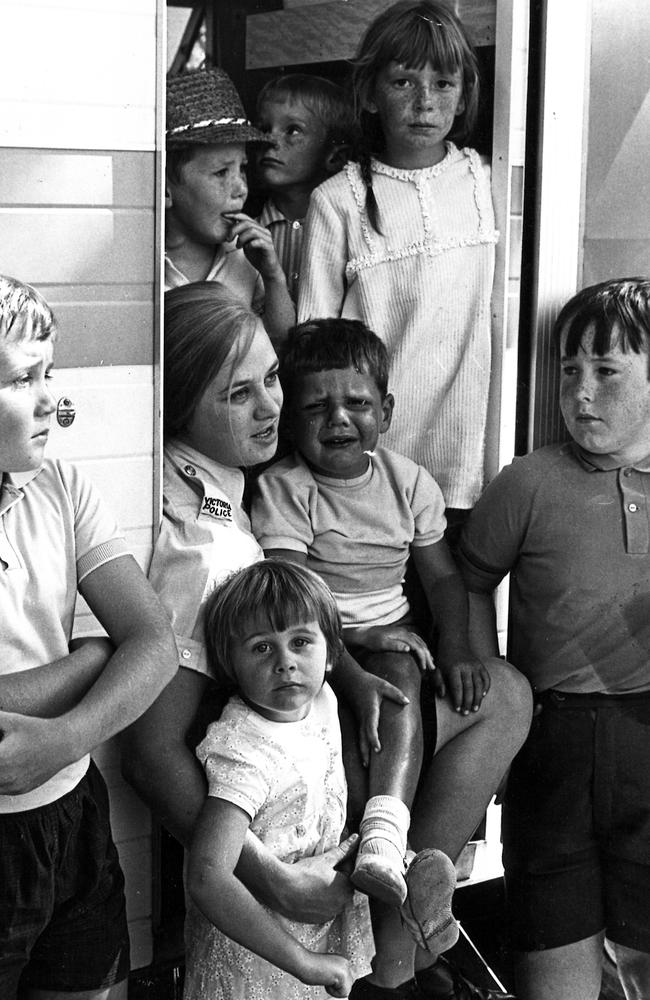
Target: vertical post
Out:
[566,33]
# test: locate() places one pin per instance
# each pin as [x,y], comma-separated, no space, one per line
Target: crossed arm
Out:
[70,706]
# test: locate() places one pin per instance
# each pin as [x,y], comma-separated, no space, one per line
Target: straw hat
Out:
[204,107]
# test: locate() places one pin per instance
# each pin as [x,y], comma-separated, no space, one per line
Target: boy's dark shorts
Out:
[62,908]
[576,824]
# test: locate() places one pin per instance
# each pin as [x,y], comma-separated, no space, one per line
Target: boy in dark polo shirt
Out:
[570,523]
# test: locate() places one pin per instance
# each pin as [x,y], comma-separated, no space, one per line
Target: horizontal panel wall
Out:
[80,226]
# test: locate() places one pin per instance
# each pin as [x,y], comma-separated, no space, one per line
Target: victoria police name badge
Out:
[217,509]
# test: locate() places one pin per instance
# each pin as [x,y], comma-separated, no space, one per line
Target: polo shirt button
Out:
[186,654]
[632,507]
[296,225]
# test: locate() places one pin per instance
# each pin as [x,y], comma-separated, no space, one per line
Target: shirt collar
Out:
[271,214]
[193,466]
[12,486]
[174,276]
[605,463]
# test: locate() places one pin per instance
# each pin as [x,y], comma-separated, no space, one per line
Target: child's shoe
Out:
[444,981]
[365,990]
[431,880]
[379,867]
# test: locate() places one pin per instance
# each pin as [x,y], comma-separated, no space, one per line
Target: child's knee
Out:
[399,669]
[510,696]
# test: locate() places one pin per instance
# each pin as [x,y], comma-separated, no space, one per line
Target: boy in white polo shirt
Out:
[62,913]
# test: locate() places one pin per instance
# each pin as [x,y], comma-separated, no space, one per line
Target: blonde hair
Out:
[203,323]
[24,313]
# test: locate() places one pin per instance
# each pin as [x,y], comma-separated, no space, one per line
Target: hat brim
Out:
[207,134]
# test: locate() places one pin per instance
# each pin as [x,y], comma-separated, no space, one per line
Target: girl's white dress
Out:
[289,778]
[424,286]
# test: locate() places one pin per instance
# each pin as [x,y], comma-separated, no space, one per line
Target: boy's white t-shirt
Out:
[54,531]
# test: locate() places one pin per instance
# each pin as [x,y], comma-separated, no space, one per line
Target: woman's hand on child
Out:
[370,692]
[314,890]
[256,242]
[331,971]
[467,681]
[395,639]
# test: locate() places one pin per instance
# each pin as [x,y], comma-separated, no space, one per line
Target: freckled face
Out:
[416,108]
[296,160]
[211,184]
[605,401]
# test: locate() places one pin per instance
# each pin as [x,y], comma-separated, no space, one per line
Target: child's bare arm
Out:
[33,749]
[464,674]
[165,772]
[225,901]
[256,242]
[51,689]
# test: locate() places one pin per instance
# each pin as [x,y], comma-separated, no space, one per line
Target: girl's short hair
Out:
[417,32]
[321,344]
[616,311]
[203,323]
[282,593]
[24,313]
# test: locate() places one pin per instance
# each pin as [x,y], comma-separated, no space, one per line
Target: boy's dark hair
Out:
[323,97]
[282,593]
[322,344]
[617,311]
[177,157]
[24,313]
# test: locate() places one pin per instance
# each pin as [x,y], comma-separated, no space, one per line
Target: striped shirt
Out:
[287,240]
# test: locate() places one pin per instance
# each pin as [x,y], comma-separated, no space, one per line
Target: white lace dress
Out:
[289,778]
[424,285]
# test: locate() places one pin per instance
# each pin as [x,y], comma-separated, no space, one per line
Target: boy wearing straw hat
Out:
[207,235]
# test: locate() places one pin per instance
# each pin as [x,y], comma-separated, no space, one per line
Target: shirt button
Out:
[295,275]
[186,654]
[296,225]
[632,507]
[189,470]
[627,472]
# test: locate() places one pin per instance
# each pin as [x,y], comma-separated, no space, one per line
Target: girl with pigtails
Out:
[404,240]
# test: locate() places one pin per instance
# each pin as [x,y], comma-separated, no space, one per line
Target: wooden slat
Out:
[308,32]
